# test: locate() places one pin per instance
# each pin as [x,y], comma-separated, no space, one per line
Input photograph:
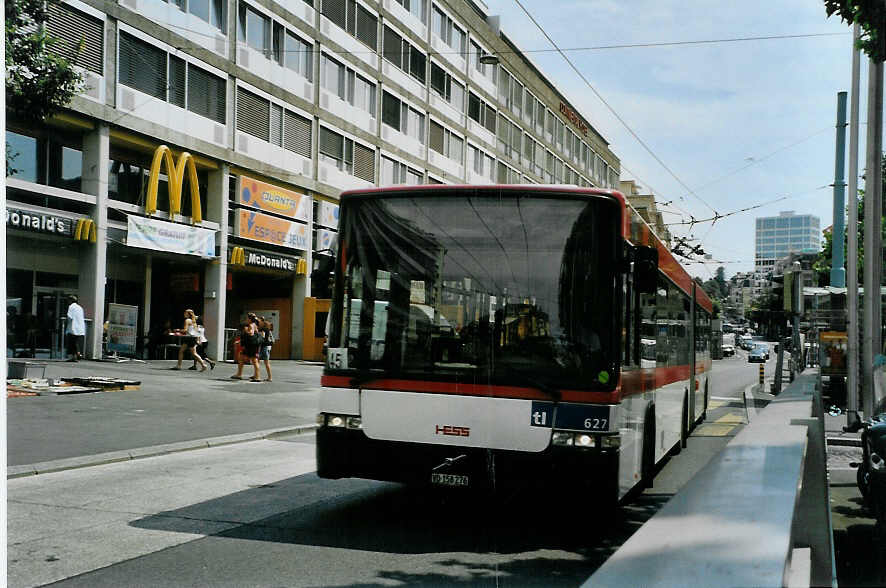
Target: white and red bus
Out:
[491,336]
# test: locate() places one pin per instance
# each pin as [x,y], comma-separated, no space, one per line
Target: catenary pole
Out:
[873,212]
[838,272]
[852,238]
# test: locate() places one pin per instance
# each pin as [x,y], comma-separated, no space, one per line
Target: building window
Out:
[255,30]
[347,84]
[506,175]
[72,26]
[346,155]
[539,117]
[400,116]
[447,87]
[449,32]
[393,172]
[401,53]
[151,70]
[481,163]
[271,122]
[446,143]
[418,8]
[528,107]
[293,53]
[487,71]
[479,111]
[353,18]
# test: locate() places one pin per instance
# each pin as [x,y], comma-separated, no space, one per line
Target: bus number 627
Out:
[596,424]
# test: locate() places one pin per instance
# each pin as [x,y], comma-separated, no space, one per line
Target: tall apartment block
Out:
[777,236]
[201,167]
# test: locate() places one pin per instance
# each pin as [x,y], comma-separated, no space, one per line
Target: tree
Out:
[40,77]
[871,18]
[822,263]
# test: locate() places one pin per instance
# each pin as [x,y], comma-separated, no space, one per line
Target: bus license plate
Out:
[449,480]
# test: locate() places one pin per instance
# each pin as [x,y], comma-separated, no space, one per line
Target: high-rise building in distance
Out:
[777,236]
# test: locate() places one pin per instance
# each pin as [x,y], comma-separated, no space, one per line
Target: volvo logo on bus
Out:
[453,431]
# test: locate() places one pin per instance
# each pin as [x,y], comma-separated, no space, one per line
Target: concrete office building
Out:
[778,236]
[269,109]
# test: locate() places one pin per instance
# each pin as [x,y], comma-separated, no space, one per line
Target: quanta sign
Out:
[270,198]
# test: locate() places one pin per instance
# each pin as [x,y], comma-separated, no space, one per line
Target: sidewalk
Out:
[169,411]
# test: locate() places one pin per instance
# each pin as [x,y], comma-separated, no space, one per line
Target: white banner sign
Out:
[148,233]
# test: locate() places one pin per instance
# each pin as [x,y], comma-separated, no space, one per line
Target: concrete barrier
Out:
[758,514]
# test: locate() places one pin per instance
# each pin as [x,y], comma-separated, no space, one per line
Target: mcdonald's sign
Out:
[301,267]
[176,174]
[85,230]
[238,256]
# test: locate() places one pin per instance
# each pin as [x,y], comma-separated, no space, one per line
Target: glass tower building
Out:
[777,236]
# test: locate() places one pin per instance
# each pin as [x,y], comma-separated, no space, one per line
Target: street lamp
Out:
[489,59]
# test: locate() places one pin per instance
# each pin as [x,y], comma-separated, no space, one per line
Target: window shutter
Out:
[502,175]
[276,124]
[70,26]
[142,66]
[177,81]
[206,94]
[297,134]
[252,114]
[392,48]
[364,163]
[436,138]
[367,27]
[334,10]
[438,79]
[504,128]
[331,144]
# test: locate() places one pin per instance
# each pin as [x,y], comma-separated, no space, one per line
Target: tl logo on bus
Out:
[453,431]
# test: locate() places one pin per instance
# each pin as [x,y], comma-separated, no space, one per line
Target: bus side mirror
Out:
[646,269]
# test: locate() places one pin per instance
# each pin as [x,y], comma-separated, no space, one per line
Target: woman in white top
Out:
[190,341]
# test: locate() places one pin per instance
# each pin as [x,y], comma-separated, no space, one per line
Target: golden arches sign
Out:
[176,174]
[238,256]
[85,230]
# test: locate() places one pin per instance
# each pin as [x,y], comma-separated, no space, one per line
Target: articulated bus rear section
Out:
[488,337]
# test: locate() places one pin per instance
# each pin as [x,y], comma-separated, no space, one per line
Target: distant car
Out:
[728,350]
[757,355]
[765,349]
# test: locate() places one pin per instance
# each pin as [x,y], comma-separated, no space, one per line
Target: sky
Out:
[736,123]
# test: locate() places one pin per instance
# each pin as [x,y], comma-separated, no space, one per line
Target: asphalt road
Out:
[255,514]
[168,407]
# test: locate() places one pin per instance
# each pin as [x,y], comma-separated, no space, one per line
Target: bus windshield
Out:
[504,287]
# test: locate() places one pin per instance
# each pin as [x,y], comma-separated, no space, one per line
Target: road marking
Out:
[730,418]
[713,430]
[726,398]
[716,404]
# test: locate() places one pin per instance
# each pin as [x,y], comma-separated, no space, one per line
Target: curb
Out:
[844,441]
[749,404]
[59,465]
[842,476]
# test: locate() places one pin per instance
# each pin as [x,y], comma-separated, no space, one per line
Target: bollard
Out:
[761,376]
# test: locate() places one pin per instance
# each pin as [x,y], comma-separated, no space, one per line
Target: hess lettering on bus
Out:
[453,431]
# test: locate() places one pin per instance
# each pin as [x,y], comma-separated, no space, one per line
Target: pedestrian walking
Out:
[75,331]
[264,353]
[189,342]
[250,344]
[201,345]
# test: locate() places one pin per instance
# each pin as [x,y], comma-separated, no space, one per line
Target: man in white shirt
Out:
[76,330]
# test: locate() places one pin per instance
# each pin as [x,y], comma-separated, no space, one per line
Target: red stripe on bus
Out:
[632,382]
[465,389]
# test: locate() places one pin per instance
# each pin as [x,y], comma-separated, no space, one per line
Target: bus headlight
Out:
[341,421]
[610,441]
[562,438]
[584,440]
